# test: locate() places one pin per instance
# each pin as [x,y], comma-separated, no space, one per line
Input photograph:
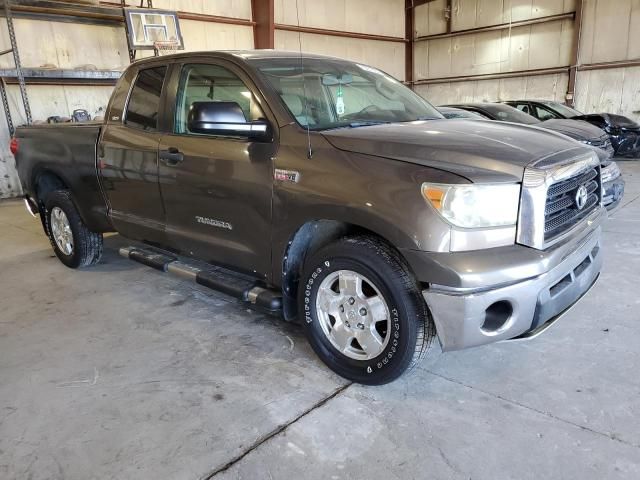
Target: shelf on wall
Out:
[49,76]
[64,11]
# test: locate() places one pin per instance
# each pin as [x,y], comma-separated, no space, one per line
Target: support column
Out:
[575,55]
[409,34]
[262,13]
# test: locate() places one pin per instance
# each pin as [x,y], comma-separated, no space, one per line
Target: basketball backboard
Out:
[148,27]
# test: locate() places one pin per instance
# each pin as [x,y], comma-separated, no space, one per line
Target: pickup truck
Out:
[327,191]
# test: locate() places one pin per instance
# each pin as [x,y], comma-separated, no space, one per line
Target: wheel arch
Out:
[310,237]
[46,181]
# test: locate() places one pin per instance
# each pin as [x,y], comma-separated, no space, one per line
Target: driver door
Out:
[217,189]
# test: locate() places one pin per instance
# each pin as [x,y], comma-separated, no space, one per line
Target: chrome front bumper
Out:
[461,315]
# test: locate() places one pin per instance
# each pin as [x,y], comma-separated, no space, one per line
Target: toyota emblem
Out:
[581,197]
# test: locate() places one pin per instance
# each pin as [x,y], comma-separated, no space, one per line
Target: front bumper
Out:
[471,317]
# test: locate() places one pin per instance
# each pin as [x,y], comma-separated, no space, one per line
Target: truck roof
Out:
[243,54]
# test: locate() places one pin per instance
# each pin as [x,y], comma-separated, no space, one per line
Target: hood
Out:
[611,120]
[578,129]
[481,151]
[622,122]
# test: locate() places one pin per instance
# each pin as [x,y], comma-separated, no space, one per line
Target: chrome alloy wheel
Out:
[61,231]
[353,315]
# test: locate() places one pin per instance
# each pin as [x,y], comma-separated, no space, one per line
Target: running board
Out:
[216,278]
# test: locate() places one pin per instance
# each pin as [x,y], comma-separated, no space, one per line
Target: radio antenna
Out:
[304,89]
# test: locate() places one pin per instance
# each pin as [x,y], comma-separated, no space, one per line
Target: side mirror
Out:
[224,118]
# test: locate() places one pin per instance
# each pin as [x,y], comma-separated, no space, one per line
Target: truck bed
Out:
[66,152]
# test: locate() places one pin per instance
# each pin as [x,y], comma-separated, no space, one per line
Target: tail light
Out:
[13,146]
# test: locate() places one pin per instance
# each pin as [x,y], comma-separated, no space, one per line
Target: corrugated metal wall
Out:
[610,33]
[529,47]
[374,17]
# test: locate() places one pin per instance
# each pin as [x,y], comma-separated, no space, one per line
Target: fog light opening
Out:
[496,316]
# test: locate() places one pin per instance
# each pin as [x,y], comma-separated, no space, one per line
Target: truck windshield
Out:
[324,93]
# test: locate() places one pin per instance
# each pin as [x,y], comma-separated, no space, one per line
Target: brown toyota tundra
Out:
[328,192]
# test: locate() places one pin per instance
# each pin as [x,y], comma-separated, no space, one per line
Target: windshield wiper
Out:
[366,123]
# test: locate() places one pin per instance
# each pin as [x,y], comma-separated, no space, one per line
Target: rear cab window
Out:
[144,101]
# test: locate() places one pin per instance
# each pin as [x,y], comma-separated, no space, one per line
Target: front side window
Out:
[212,83]
[544,114]
[326,93]
[144,101]
[505,113]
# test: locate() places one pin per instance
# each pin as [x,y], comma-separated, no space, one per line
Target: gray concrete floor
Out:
[123,372]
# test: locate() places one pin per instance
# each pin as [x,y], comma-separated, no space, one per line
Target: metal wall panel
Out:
[387,56]
[223,8]
[544,45]
[552,87]
[430,18]
[376,17]
[612,90]
[610,31]
[481,13]
[215,36]
[65,45]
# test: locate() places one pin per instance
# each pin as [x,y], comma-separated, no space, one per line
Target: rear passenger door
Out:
[217,188]
[128,159]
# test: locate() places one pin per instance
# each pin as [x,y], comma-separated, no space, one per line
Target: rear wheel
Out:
[363,312]
[73,243]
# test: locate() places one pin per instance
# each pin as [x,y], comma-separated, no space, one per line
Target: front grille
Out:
[561,210]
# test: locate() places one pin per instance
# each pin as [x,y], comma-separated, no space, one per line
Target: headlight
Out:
[475,206]
[610,172]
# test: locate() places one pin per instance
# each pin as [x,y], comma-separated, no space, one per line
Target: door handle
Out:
[171,157]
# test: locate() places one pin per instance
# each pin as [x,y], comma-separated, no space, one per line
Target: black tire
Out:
[87,245]
[412,329]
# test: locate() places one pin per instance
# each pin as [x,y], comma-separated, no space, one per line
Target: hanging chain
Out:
[5,104]
[16,59]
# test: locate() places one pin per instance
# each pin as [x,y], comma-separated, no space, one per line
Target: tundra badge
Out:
[214,223]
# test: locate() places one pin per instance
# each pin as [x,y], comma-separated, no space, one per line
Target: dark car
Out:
[581,131]
[623,132]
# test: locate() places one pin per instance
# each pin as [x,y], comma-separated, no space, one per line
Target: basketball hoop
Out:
[165,47]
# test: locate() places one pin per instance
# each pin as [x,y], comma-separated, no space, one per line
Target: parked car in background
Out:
[583,132]
[623,132]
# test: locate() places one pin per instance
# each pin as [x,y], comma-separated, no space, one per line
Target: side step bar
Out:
[216,278]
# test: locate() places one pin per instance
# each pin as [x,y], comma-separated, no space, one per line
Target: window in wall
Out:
[212,83]
[144,102]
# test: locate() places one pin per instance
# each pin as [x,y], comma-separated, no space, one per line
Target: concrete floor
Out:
[123,372]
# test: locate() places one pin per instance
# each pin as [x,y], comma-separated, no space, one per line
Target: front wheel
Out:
[73,243]
[363,312]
